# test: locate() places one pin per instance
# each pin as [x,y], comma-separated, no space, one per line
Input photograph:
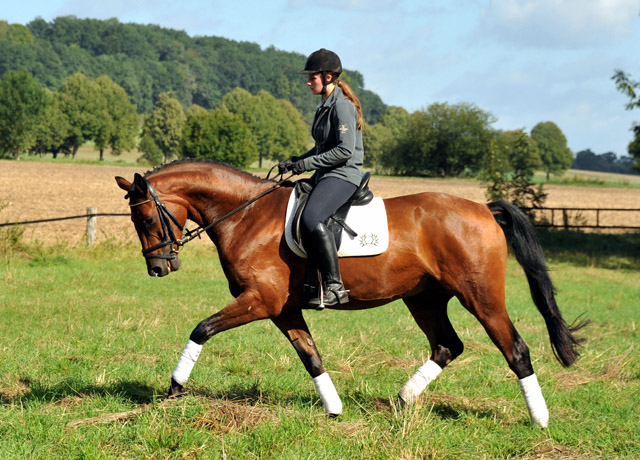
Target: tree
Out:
[628,87]
[121,124]
[607,162]
[291,131]
[524,158]
[508,169]
[631,89]
[634,148]
[22,102]
[15,33]
[162,130]
[218,135]
[496,169]
[53,129]
[376,139]
[444,140]
[80,102]
[151,153]
[380,139]
[277,128]
[552,144]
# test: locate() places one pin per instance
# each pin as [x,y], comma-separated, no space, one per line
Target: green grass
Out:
[85,333]
[589,179]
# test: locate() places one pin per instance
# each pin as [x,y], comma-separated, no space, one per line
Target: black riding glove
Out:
[284,166]
[292,164]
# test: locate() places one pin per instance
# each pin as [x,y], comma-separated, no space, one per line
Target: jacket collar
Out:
[333,97]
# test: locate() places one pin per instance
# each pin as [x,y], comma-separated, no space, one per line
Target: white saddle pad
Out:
[368,221]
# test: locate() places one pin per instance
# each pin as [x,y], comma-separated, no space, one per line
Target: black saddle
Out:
[336,222]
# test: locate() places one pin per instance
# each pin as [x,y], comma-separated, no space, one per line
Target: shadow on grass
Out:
[137,393]
[251,395]
[602,250]
[132,391]
[443,406]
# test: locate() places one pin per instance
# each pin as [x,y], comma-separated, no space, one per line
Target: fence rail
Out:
[567,221]
[91,216]
[583,217]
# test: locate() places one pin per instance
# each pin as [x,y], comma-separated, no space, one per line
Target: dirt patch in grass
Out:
[42,190]
[226,416]
[550,450]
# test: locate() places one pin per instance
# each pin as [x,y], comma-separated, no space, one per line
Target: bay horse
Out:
[440,246]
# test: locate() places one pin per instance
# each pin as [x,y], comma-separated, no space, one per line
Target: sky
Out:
[523,61]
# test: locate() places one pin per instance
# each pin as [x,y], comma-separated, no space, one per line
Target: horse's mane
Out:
[203,161]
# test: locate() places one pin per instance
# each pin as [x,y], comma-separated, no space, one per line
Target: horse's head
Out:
[156,224]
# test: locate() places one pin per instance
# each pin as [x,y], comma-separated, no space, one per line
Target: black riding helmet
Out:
[323,61]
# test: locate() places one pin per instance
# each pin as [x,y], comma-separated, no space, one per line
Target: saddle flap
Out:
[368,223]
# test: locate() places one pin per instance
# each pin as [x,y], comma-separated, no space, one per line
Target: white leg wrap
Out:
[186,362]
[535,401]
[328,394]
[409,393]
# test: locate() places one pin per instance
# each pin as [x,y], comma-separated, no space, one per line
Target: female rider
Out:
[336,159]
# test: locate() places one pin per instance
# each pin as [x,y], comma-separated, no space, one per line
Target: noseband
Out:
[168,237]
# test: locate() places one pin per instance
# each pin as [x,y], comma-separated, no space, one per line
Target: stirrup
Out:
[338,296]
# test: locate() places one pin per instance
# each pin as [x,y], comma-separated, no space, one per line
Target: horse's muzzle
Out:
[162,267]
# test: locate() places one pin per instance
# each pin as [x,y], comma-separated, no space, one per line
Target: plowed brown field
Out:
[33,191]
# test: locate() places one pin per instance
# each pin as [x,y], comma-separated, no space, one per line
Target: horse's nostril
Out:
[157,271]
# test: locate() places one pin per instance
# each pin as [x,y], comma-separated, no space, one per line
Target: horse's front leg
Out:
[242,310]
[294,327]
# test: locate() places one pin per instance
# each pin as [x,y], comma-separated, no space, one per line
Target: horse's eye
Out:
[148,222]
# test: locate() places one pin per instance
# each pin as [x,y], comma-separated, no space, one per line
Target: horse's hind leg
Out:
[488,306]
[429,309]
[294,327]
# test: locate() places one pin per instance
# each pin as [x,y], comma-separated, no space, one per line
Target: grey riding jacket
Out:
[338,151]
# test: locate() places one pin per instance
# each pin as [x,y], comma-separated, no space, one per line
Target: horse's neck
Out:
[211,200]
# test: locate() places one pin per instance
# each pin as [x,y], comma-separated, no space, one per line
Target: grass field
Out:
[89,342]
[590,179]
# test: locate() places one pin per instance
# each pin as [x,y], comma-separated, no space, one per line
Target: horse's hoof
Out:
[175,390]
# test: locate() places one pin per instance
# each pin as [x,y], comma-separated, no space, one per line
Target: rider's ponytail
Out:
[348,93]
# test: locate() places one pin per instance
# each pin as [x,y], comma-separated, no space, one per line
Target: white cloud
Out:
[560,23]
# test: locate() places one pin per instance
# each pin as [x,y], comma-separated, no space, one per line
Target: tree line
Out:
[441,140]
[173,96]
[147,60]
[242,129]
[605,162]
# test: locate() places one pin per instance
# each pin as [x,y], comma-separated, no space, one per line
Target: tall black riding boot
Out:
[323,246]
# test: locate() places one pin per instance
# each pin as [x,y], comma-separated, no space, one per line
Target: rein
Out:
[168,237]
[196,233]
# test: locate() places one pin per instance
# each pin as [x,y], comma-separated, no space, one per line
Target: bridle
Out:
[165,216]
[168,237]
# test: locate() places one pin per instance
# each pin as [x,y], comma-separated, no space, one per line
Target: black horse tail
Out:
[528,252]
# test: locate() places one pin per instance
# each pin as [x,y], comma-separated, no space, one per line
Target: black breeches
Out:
[326,197]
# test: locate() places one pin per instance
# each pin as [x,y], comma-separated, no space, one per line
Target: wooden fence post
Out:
[92,225]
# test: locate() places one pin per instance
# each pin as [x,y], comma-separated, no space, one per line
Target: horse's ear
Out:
[140,185]
[123,183]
